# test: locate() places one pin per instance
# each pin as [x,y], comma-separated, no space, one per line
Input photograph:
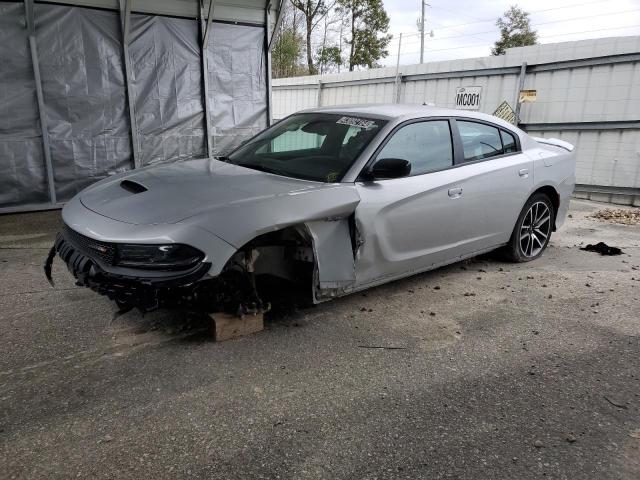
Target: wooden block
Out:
[226,326]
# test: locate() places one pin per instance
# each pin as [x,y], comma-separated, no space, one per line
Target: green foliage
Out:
[369,23]
[328,58]
[515,31]
[286,54]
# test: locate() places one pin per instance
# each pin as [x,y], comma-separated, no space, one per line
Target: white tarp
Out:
[237,84]
[84,90]
[167,86]
[23,178]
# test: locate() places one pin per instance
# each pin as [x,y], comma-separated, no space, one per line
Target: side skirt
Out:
[410,273]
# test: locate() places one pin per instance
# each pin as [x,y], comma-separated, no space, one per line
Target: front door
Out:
[411,223]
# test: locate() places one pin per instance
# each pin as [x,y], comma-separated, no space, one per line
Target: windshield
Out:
[311,146]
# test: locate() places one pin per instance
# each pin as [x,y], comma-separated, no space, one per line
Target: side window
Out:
[427,145]
[508,142]
[479,140]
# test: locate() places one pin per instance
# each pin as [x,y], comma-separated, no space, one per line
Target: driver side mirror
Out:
[387,168]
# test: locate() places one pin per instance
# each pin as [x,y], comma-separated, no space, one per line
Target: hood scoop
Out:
[133,187]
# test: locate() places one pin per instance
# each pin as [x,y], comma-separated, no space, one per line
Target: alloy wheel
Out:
[535,229]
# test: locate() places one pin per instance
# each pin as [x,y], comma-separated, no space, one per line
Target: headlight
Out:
[157,257]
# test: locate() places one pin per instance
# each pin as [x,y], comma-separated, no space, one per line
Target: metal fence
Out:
[586,92]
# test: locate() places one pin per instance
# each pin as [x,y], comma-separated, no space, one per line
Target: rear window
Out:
[508,142]
[479,140]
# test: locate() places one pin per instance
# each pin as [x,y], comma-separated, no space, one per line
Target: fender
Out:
[334,259]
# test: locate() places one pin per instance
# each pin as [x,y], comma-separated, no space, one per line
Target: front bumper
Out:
[89,262]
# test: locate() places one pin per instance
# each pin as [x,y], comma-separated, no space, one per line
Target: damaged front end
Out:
[148,277]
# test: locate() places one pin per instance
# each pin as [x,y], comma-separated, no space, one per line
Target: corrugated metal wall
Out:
[588,93]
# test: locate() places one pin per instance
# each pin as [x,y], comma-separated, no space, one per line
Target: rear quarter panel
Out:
[554,166]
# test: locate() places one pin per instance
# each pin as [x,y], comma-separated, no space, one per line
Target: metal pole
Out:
[276,26]
[319,99]
[125,20]
[340,46]
[209,20]
[46,147]
[205,26]
[269,41]
[398,76]
[422,33]
[523,73]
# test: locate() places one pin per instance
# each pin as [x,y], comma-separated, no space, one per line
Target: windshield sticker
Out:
[356,122]
[332,177]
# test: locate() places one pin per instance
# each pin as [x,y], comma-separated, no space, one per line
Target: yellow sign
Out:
[505,112]
[528,96]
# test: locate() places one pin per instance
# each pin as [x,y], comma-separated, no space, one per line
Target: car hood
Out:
[174,192]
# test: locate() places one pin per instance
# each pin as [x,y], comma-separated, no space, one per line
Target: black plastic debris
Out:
[48,263]
[603,249]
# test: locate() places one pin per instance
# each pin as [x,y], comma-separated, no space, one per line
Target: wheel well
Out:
[553,195]
[284,255]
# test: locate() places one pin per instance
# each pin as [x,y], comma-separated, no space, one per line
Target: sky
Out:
[466,28]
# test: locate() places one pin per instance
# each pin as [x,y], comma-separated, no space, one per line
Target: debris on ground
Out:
[603,249]
[382,347]
[618,215]
[615,404]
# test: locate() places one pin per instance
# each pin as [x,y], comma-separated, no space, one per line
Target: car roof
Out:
[403,111]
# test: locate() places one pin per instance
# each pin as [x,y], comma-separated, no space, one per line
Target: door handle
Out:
[524,172]
[455,192]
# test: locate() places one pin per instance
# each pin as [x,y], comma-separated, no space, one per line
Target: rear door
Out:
[498,179]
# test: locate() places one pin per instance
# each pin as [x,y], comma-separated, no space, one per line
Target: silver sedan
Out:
[323,203]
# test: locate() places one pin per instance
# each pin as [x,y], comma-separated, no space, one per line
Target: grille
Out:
[93,248]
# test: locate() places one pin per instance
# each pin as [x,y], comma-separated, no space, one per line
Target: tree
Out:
[329,54]
[328,58]
[313,11]
[368,20]
[515,31]
[286,54]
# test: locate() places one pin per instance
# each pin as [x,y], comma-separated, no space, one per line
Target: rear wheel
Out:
[533,229]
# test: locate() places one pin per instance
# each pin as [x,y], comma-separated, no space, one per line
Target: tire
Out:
[532,231]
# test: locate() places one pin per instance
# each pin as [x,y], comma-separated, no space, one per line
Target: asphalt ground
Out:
[480,370]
